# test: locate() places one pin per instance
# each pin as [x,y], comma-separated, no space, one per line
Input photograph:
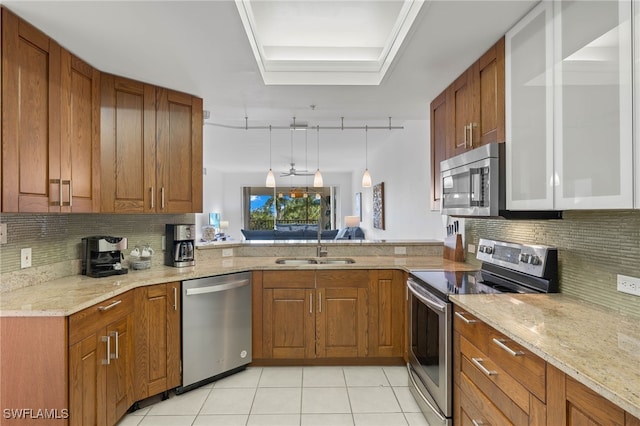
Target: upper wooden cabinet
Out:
[475,102]
[30,118]
[151,150]
[469,113]
[50,124]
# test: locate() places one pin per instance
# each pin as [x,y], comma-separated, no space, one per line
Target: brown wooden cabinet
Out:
[341,313]
[386,313]
[439,143]
[157,339]
[328,314]
[101,362]
[151,150]
[50,124]
[573,404]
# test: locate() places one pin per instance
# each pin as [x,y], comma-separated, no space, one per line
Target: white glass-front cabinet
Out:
[529,111]
[587,141]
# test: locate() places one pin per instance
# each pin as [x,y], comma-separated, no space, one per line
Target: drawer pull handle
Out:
[501,344]
[479,423]
[466,320]
[478,363]
[106,308]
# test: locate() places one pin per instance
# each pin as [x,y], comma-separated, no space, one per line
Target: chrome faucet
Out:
[320,252]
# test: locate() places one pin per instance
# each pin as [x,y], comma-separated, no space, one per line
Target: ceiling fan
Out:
[294,172]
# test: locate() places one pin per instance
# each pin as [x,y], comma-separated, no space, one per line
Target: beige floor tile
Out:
[221,420]
[188,403]
[323,377]
[277,401]
[167,420]
[373,400]
[248,378]
[365,376]
[229,401]
[274,420]
[380,419]
[325,400]
[406,400]
[326,420]
[281,377]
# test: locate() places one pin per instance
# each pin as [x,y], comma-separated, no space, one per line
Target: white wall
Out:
[399,158]
[402,162]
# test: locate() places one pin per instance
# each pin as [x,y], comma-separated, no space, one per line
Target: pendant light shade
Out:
[317,177]
[366,177]
[271,179]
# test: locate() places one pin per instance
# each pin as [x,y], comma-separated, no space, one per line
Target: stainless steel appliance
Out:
[216,328]
[102,256]
[473,182]
[180,244]
[506,268]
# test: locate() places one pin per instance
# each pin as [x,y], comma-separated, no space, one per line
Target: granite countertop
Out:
[65,296]
[596,346]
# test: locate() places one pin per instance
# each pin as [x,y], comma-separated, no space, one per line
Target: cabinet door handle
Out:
[152,196]
[466,320]
[319,303]
[175,298]
[162,198]
[478,363]
[479,423]
[59,182]
[116,336]
[107,340]
[106,308]
[470,135]
[465,135]
[311,303]
[501,344]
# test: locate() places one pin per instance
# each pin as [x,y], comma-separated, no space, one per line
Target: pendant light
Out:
[271,179]
[317,177]
[366,177]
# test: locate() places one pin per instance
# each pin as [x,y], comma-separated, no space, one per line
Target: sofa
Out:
[301,232]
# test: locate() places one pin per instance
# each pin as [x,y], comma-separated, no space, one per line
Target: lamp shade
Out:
[317,179]
[366,179]
[271,180]
[351,221]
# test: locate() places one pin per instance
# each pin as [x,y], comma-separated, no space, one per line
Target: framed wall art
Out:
[378,206]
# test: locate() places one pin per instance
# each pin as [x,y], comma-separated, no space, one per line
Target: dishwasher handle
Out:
[217,288]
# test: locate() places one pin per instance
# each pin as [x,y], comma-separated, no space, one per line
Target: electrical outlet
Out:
[227,252]
[3,233]
[164,243]
[630,285]
[400,250]
[25,258]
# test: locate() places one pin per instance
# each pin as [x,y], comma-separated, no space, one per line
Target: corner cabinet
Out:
[569,107]
[151,149]
[50,124]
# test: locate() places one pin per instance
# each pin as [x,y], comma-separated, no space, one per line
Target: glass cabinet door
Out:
[529,111]
[593,98]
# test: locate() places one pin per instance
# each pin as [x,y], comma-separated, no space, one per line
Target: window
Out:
[268,208]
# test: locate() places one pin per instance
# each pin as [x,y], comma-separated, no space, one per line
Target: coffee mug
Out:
[146,251]
[135,252]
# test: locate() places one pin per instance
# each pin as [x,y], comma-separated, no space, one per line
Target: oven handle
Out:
[425,399]
[431,302]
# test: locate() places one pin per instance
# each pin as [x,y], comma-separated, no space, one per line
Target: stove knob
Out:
[485,249]
[534,260]
[524,258]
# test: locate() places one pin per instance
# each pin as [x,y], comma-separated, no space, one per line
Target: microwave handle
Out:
[476,187]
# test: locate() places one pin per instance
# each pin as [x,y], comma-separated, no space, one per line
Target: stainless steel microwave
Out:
[473,182]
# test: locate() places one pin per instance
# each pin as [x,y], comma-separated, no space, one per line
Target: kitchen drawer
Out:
[524,366]
[470,327]
[475,406]
[342,278]
[505,391]
[99,316]
[288,279]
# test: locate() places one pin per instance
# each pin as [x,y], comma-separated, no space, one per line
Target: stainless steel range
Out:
[506,268]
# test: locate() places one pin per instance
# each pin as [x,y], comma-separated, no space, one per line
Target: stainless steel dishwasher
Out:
[216,328]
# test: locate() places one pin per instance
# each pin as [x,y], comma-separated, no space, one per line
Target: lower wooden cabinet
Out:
[101,363]
[157,339]
[497,381]
[328,314]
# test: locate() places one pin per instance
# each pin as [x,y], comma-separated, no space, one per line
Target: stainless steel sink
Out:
[296,261]
[336,260]
[314,261]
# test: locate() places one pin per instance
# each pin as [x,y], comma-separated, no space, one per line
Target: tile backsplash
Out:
[56,239]
[593,247]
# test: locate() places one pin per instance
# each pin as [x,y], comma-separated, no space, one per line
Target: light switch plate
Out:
[471,248]
[3,233]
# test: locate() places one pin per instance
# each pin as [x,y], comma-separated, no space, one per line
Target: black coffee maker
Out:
[180,245]
[102,256]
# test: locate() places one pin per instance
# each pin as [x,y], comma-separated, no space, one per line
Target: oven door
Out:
[430,353]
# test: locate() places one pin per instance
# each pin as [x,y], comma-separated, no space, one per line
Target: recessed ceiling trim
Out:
[301,63]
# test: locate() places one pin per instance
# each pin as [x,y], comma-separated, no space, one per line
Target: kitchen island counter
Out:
[596,346]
